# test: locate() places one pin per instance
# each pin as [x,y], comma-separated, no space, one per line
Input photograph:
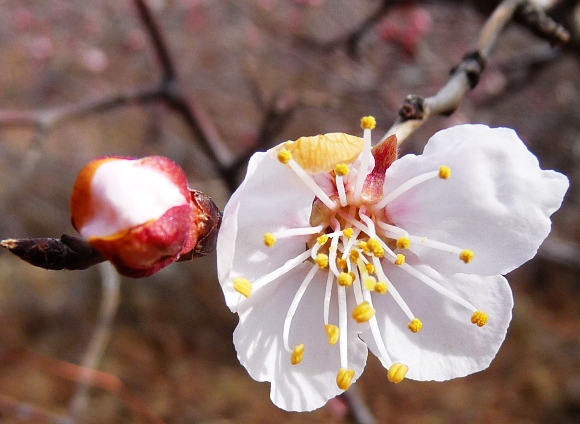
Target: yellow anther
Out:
[243,286]
[344,279]
[269,239]
[403,242]
[344,377]
[368,123]
[400,260]
[284,156]
[466,256]
[341,169]
[375,246]
[297,354]
[381,287]
[363,245]
[341,263]
[363,312]
[348,232]
[370,283]
[370,268]
[322,239]
[415,325]
[397,372]
[321,260]
[444,172]
[354,255]
[479,318]
[333,333]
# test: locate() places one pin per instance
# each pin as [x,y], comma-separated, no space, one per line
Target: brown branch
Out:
[416,110]
[158,40]
[68,252]
[352,38]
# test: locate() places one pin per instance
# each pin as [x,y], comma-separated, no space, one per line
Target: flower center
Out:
[352,242]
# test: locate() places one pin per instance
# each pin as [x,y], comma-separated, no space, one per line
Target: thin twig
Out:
[71,372]
[100,338]
[416,110]
[10,407]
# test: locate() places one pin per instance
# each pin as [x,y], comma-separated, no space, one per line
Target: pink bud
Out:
[138,213]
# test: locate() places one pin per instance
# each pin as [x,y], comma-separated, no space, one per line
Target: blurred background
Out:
[242,62]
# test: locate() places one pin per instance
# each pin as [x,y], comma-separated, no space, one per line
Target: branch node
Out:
[413,108]
[472,64]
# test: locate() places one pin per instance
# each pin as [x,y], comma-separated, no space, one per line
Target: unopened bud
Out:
[140,214]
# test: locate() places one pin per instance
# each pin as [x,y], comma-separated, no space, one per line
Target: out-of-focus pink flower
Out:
[138,213]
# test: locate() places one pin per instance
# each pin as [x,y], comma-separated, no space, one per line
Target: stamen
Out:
[243,286]
[284,156]
[300,231]
[343,326]
[353,255]
[328,295]
[297,354]
[269,239]
[363,312]
[321,260]
[370,283]
[381,287]
[368,122]
[341,190]
[370,268]
[294,306]
[344,377]
[415,325]
[437,287]
[333,333]
[344,279]
[444,172]
[397,372]
[341,263]
[479,318]
[374,245]
[400,260]
[348,232]
[377,334]
[364,246]
[364,158]
[406,187]
[311,184]
[322,239]
[466,256]
[403,242]
[341,170]
[393,291]
[287,267]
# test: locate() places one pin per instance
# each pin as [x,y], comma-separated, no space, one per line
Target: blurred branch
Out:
[110,282]
[73,373]
[29,413]
[416,110]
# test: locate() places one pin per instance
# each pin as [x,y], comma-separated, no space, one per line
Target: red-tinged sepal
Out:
[385,153]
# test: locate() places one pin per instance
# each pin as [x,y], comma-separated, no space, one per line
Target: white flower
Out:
[336,249]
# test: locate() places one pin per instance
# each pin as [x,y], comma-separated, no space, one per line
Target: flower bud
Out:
[138,213]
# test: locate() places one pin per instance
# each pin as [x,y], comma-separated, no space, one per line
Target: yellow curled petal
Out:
[322,153]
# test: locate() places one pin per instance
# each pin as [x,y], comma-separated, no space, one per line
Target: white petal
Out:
[448,345]
[271,198]
[259,343]
[127,194]
[496,203]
